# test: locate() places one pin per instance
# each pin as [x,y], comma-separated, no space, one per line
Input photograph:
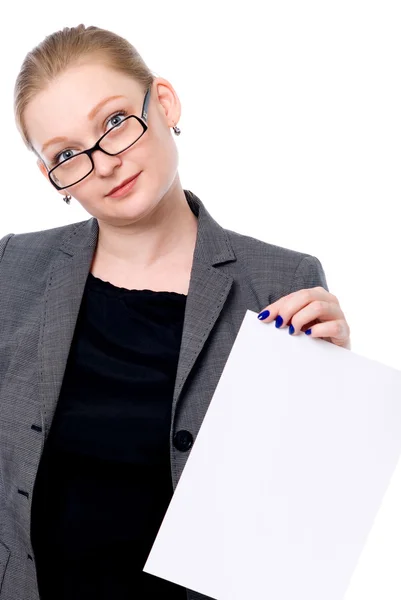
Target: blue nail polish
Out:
[263,315]
[292,329]
[308,331]
[279,321]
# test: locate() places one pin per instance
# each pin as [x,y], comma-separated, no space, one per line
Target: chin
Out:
[128,210]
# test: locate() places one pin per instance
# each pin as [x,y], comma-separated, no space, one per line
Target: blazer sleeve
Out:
[3,244]
[309,274]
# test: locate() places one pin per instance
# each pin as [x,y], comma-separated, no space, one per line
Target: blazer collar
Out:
[212,247]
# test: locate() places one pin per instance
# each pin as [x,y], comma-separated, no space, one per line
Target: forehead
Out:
[63,107]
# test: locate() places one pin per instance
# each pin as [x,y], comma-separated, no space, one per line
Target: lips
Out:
[122,184]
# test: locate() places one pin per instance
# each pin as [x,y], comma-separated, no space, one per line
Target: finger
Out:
[292,331]
[283,309]
[301,300]
[318,310]
[337,331]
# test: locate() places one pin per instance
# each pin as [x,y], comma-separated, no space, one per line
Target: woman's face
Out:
[64,110]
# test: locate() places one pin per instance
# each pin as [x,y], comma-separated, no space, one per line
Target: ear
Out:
[168,100]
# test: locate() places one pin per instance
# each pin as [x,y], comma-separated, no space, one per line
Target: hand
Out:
[314,311]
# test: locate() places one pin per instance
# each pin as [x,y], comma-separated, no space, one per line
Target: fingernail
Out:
[292,329]
[308,331]
[263,315]
[279,321]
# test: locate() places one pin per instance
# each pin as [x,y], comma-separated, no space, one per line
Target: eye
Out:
[116,119]
[61,157]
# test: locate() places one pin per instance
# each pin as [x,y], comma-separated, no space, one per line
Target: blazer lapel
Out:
[65,286]
[208,290]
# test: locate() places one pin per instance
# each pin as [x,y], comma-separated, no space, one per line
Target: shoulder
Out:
[22,245]
[290,270]
[244,244]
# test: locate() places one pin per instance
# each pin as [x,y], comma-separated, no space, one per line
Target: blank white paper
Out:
[287,473]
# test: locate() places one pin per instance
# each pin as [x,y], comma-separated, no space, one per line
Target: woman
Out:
[115,330]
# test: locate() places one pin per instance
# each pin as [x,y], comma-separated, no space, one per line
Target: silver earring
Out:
[176,130]
[67,199]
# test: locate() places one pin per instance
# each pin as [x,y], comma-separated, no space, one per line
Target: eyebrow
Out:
[91,116]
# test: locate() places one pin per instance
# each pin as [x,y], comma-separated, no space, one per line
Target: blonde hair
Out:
[69,47]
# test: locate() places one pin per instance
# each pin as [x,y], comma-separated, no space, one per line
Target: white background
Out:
[290,133]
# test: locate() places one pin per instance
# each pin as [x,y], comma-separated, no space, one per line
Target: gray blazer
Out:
[42,278]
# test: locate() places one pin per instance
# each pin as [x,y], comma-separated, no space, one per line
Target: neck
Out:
[168,232]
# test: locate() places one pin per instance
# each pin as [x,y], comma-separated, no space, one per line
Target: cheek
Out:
[162,154]
[85,192]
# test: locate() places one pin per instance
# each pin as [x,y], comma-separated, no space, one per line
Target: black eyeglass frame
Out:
[142,120]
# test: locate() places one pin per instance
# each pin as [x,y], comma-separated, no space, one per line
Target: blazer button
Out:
[183,440]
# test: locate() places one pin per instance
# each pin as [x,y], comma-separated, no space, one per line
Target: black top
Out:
[104,479]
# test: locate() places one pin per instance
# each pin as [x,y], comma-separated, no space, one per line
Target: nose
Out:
[105,164]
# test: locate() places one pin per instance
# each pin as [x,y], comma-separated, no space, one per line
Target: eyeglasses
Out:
[116,140]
